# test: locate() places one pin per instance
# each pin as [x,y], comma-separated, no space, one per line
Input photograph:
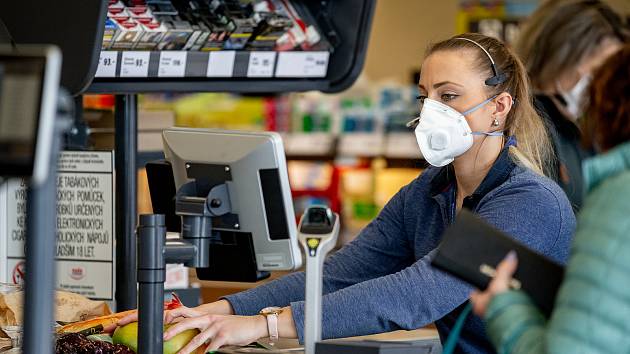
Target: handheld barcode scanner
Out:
[317,233]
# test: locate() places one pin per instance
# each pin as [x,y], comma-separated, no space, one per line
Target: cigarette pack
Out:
[241,35]
[199,37]
[216,39]
[152,35]
[177,33]
[162,8]
[271,27]
[129,32]
[111,29]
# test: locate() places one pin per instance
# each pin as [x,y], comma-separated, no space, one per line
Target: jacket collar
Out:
[498,174]
[601,167]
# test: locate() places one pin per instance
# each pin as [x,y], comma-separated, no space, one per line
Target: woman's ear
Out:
[503,105]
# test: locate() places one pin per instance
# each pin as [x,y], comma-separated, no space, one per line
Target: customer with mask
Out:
[488,159]
[593,304]
[561,44]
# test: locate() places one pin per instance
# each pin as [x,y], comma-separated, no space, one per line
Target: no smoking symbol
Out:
[18,273]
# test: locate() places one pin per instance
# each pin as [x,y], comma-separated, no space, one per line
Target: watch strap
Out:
[272,326]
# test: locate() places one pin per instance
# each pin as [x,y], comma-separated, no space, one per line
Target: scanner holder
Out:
[318,232]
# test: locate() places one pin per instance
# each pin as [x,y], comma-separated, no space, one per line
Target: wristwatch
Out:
[271,314]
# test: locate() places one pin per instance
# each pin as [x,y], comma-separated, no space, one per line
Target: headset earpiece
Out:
[496,80]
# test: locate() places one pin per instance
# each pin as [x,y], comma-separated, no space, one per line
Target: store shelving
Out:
[331,65]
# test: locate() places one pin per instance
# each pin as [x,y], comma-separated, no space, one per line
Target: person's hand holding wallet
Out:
[499,284]
[471,250]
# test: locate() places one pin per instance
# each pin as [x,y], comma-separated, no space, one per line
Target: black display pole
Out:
[41,229]
[126,120]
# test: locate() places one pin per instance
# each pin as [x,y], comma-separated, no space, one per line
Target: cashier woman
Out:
[488,148]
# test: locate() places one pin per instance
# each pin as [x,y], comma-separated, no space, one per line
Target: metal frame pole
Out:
[126,136]
[41,238]
[151,277]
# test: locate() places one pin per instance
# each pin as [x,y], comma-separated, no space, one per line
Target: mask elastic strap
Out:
[499,133]
[479,105]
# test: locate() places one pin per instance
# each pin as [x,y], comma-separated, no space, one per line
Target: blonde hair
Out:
[561,33]
[534,149]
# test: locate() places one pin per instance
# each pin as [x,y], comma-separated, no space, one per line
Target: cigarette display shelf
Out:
[331,65]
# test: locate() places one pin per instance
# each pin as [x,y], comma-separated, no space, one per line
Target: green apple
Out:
[128,335]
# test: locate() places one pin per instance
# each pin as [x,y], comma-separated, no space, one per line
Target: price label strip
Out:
[107,64]
[135,64]
[221,64]
[302,64]
[172,64]
[261,64]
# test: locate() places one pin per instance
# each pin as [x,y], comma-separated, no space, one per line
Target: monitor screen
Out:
[21,79]
[253,167]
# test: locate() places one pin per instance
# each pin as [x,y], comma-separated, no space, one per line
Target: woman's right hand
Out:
[221,307]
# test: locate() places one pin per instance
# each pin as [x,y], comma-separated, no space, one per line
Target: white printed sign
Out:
[172,64]
[107,64]
[221,63]
[85,225]
[261,64]
[302,64]
[135,64]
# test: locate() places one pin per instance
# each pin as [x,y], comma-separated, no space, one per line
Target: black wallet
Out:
[471,249]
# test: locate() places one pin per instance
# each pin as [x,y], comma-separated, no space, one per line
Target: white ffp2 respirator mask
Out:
[576,97]
[443,133]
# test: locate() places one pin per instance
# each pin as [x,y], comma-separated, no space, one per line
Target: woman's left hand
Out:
[220,330]
[500,283]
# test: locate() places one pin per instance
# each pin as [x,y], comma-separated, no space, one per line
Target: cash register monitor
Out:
[29,81]
[253,166]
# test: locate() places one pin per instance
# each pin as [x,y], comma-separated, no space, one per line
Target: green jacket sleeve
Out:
[515,325]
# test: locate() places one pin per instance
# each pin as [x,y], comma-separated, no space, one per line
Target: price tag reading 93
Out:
[107,64]
[135,64]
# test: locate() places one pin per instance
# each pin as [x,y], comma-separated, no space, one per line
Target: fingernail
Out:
[511,256]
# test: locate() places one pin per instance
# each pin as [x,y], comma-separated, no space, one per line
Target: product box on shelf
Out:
[118,14]
[218,35]
[271,27]
[238,39]
[177,33]
[161,7]
[129,31]
[199,36]
[115,7]
[141,14]
[111,30]
[151,37]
